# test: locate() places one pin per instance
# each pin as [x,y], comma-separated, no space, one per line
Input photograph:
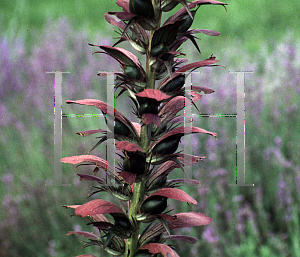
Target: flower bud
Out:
[154,204]
[134,162]
[132,72]
[142,8]
[175,84]
[159,49]
[167,146]
[188,22]
[148,107]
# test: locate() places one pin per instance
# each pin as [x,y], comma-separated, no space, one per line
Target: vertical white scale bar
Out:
[58,180]
[188,126]
[240,136]
[110,143]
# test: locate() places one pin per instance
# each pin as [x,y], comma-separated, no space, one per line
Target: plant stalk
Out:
[139,187]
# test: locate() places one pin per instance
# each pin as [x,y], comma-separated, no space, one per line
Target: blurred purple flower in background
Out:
[8,178]
[210,235]
[285,198]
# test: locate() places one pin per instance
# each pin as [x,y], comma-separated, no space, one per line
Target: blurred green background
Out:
[258,36]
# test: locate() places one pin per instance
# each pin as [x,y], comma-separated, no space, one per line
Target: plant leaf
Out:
[128,177]
[90,132]
[153,94]
[88,158]
[97,206]
[83,233]
[175,193]
[137,126]
[199,64]
[192,159]
[191,182]
[125,56]
[188,219]
[166,34]
[112,19]
[206,31]
[99,218]
[182,130]
[124,4]
[191,5]
[127,146]
[125,16]
[160,248]
[195,96]
[206,90]
[103,107]
[71,206]
[101,224]
[188,239]
[91,178]
[148,118]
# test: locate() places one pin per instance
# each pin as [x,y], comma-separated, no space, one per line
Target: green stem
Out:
[139,187]
[138,197]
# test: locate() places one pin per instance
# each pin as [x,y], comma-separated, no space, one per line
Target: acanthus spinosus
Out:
[147,150]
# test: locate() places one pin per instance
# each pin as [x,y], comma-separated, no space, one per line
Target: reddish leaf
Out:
[175,193]
[148,118]
[123,55]
[188,159]
[102,225]
[182,130]
[128,177]
[112,19]
[88,158]
[137,127]
[177,120]
[188,239]
[97,206]
[191,182]
[188,219]
[206,31]
[172,107]
[124,4]
[125,16]
[206,90]
[191,5]
[84,234]
[71,206]
[202,2]
[154,94]
[91,178]
[160,248]
[104,107]
[89,132]
[199,64]
[196,97]
[130,147]
[99,218]
[165,169]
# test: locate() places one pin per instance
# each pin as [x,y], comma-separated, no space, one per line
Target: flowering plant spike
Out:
[147,150]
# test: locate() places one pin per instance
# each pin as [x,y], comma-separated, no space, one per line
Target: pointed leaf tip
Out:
[175,193]
[97,206]
[83,233]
